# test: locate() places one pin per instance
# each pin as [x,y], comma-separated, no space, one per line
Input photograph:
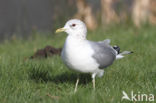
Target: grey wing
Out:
[105,42]
[104,54]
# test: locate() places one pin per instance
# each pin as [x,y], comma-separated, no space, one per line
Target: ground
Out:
[49,80]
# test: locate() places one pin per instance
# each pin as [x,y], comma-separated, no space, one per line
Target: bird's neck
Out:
[74,40]
[77,37]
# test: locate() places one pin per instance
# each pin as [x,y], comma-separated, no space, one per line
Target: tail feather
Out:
[119,54]
[126,52]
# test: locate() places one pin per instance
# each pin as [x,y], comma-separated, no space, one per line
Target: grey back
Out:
[104,54]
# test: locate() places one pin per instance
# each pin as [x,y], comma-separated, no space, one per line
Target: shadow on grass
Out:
[43,76]
[72,77]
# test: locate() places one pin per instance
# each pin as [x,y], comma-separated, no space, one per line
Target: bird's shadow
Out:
[72,77]
[44,76]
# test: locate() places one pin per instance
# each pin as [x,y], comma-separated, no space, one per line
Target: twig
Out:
[53,97]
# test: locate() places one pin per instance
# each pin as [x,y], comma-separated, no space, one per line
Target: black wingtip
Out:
[131,52]
[117,48]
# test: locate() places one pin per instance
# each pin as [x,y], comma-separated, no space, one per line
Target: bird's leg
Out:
[94,83]
[77,82]
[93,80]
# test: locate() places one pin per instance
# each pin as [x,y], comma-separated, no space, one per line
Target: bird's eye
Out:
[73,25]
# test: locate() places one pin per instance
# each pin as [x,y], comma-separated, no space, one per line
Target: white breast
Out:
[77,55]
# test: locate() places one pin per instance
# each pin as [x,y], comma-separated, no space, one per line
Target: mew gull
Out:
[82,55]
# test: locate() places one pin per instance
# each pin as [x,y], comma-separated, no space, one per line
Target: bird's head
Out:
[74,27]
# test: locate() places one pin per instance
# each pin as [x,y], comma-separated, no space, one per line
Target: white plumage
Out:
[77,55]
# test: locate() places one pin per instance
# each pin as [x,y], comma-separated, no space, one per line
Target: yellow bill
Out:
[60,30]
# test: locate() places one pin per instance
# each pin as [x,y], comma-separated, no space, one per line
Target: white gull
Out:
[84,56]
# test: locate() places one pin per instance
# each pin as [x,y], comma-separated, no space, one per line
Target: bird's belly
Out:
[79,59]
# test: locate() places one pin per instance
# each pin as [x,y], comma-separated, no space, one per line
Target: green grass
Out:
[30,81]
